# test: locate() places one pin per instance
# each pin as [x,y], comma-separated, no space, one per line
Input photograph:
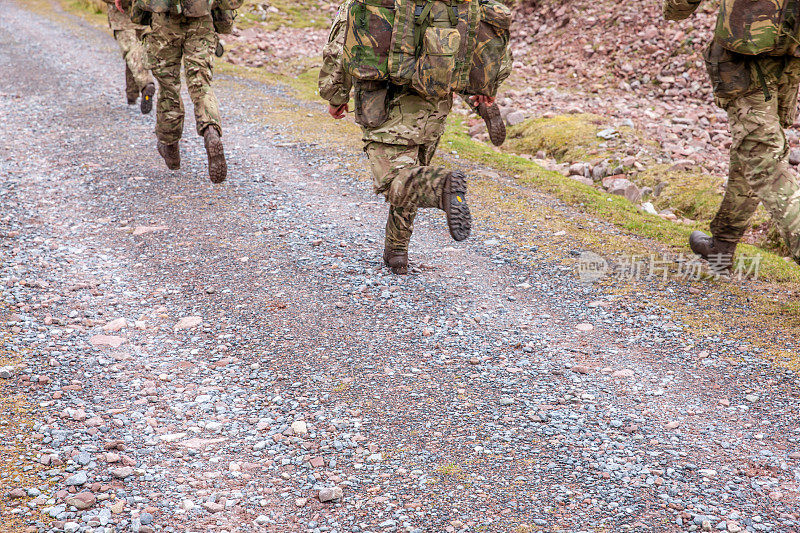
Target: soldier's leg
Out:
[386,161]
[131,89]
[738,205]
[198,57]
[760,145]
[164,54]
[133,52]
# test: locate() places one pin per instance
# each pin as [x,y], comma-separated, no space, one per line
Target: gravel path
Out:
[223,358]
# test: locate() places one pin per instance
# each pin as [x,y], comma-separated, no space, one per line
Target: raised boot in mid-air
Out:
[454,204]
[719,254]
[171,154]
[494,122]
[396,260]
[217,166]
[147,98]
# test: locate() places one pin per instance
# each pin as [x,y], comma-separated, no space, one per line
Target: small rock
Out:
[300,427]
[16,494]
[122,472]
[794,156]
[76,480]
[752,398]
[6,372]
[188,322]
[330,494]
[82,501]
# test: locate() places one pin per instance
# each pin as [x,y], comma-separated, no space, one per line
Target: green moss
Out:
[565,137]
[95,7]
[690,194]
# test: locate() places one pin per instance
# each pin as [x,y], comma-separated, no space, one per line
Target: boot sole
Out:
[217,166]
[459,218]
[147,99]
[494,123]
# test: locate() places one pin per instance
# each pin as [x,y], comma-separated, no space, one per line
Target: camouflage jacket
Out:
[334,82]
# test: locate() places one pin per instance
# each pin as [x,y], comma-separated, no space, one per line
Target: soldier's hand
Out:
[481,99]
[338,112]
[118,3]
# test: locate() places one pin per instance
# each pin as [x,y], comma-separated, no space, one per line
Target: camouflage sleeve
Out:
[680,9]
[506,67]
[334,82]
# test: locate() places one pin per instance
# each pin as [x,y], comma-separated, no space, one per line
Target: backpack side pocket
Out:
[729,72]
[436,65]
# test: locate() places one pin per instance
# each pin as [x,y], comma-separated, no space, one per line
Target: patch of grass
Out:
[450,469]
[290,13]
[96,7]
[565,137]
[690,194]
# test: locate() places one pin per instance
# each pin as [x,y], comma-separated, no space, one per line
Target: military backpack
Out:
[434,46]
[756,27]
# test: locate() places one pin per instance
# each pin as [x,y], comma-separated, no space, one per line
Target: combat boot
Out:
[494,123]
[719,254]
[396,260]
[217,167]
[171,154]
[454,204]
[147,98]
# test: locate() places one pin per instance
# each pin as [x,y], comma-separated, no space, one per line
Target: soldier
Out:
[759,93]
[138,80]
[401,131]
[185,34]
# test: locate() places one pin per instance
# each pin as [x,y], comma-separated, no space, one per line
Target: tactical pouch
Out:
[436,65]
[223,20]
[494,34]
[372,108]
[195,8]
[369,39]
[729,72]
[140,16]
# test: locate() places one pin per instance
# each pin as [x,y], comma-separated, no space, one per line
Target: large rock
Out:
[515,117]
[82,501]
[625,187]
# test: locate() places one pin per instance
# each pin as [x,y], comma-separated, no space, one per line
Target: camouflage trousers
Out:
[177,39]
[136,75]
[403,175]
[759,166]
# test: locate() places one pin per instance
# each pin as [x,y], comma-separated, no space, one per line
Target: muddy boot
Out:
[454,204]
[131,91]
[494,123]
[171,154]
[217,167]
[396,260]
[719,254]
[147,98]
